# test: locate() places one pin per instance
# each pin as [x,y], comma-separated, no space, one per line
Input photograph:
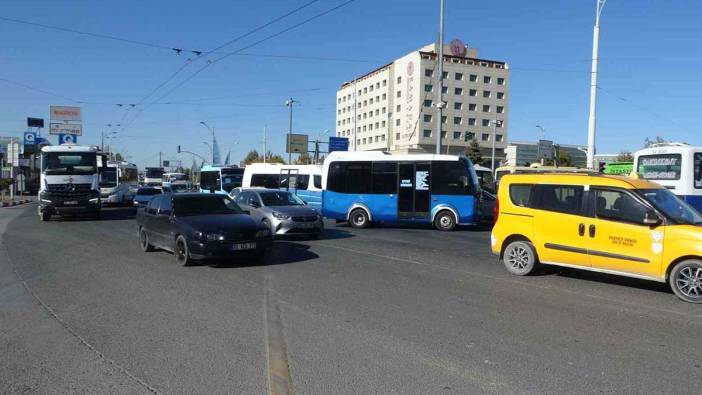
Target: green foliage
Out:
[254,157]
[5,183]
[625,156]
[473,152]
[656,140]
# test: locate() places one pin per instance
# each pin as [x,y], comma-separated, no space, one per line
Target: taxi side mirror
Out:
[651,218]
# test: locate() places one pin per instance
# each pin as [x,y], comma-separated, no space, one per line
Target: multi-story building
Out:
[393,108]
[526,153]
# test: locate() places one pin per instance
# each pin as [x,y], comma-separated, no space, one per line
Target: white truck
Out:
[69,182]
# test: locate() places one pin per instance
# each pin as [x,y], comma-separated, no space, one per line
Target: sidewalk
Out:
[17,201]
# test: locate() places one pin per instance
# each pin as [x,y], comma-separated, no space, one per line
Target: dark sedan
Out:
[196,226]
[144,194]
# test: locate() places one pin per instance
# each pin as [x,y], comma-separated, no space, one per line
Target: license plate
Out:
[307,225]
[70,202]
[244,246]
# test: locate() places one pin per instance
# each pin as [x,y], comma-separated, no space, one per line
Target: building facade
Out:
[393,108]
[527,153]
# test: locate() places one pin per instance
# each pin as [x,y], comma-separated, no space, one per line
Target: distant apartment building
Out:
[526,153]
[393,108]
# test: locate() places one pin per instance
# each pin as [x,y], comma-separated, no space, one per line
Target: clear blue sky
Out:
[650,57]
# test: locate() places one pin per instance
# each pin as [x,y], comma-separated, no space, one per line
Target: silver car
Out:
[283,211]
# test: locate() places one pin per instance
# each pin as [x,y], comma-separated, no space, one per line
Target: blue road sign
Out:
[338,144]
[30,138]
[68,139]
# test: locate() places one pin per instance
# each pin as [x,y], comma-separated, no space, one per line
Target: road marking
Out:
[276,351]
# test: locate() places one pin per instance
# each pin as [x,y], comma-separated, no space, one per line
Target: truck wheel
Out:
[182,253]
[686,281]
[520,258]
[359,219]
[144,241]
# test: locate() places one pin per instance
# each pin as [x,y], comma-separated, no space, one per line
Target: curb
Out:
[16,203]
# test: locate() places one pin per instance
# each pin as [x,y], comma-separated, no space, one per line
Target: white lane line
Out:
[279,382]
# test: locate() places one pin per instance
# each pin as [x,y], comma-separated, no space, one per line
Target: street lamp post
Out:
[290,103]
[591,124]
[543,131]
[213,139]
[440,78]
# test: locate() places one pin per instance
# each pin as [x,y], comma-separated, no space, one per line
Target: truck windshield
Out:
[666,201]
[69,163]
[108,177]
[154,173]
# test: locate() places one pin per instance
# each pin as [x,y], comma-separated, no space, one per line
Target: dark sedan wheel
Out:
[182,253]
[144,241]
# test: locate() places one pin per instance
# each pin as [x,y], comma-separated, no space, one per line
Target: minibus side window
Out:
[698,170]
[566,199]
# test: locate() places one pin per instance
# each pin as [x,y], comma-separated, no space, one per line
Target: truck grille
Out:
[70,191]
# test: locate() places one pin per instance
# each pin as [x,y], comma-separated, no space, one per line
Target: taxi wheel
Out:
[359,219]
[520,258]
[144,241]
[182,253]
[686,281]
[445,220]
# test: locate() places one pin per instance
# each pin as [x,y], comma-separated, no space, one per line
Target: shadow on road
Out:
[603,278]
[284,252]
[482,227]
[106,214]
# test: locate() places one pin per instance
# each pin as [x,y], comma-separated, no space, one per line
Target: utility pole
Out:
[591,123]
[159,159]
[354,114]
[264,144]
[440,78]
[290,103]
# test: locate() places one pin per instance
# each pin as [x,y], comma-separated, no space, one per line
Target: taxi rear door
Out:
[619,240]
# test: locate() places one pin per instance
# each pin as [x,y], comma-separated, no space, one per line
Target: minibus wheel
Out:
[520,258]
[686,280]
[445,220]
[359,219]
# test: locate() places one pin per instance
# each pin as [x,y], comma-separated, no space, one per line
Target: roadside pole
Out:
[440,79]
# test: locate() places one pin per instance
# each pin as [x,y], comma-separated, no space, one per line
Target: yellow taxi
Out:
[610,224]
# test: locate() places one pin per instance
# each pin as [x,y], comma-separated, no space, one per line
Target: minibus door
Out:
[414,191]
[288,180]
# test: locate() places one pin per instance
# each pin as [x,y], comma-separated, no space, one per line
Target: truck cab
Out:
[69,182]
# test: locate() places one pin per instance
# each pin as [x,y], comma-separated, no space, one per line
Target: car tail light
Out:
[496,210]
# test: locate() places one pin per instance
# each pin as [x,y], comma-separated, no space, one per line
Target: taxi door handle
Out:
[581,229]
[592,230]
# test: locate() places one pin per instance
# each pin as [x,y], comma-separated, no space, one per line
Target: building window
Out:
[364,140]
[471,121]
[377,112]
[397,136]
[427,117]
[427,103]
[339,101]
[397,109]
[472,92]
[485,137]
[472,107]
[385,82]
[500,109]
[358,142]
[365,90]
[364,128]
[365,103]
[370,101]
[427,132]
[458,91]
[444,89]
[457,106]
[365,115]
[457,120]
[443,119]
[500,81]
[486,122]
[383,110]
[370,127]
[500,95]
[459,76]
[399,93]
[371,88]
[456,135]
[428,72]
[397,122]
[360,92]
[486,108]
[377,85]
[487,79]
[428,88]
[382,137]
[377,138]
[399,80]
[473,78]
[385,96]
[499,137]
[470,136]
[443,134]
[487,94]
[382,123]
[444,75]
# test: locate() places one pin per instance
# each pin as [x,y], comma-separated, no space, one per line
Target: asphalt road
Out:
[378,311]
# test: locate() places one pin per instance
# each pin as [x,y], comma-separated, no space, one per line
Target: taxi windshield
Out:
[672,206]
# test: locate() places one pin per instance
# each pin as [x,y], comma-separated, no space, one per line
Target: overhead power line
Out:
[39,90]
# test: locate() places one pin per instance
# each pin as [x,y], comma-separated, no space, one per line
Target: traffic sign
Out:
[30,138]
[338,144]
[64,113]
[296,143]
[68,139]
[66,128]
[35,122]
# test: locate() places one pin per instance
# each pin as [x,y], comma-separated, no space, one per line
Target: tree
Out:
[656,140]
[473,152]
[252,157]
[274,158]
[303,159]
[625,156]
[118,157]
[564,159]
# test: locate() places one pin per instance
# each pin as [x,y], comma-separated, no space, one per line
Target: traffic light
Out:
[179,149]
[602,167]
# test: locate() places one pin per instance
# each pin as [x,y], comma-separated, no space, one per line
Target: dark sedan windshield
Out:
[280,199]
[666,201]
[148,191]
[205,205]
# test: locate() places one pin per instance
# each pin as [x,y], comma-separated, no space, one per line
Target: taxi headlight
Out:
[214,237]
[263,233]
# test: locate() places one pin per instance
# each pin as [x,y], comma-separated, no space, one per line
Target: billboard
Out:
[35,122]
[66,128]
[68,139]
[64,113]
[296,143]
[338,144]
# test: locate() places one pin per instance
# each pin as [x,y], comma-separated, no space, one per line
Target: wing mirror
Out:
[652,219]
[247,212]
